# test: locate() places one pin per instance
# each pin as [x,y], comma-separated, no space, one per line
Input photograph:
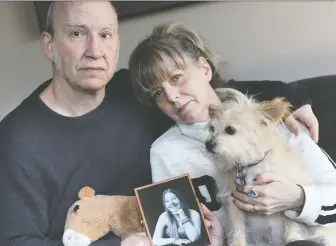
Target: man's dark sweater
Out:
[45,158]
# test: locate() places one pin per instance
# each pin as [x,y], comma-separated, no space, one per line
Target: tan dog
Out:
[94,216]
[245,142]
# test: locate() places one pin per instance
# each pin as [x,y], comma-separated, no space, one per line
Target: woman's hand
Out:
[182,241]
[180,214]
[214,226]
[306,115]
[275,194]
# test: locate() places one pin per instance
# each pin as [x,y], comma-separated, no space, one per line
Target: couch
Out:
[322,91]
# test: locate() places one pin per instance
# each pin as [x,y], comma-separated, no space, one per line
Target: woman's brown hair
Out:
[174,41]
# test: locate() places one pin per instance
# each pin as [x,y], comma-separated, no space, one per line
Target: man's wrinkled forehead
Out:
[92,15]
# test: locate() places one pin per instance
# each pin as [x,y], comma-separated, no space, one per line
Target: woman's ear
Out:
[204,64]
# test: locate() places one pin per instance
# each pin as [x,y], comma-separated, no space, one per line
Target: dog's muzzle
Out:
[210,145]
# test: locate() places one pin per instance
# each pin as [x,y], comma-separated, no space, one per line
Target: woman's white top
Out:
[182,150]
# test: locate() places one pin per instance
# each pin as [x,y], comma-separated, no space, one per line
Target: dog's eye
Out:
[230,130]
[212,129]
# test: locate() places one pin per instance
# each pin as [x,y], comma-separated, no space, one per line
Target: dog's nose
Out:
[210,145]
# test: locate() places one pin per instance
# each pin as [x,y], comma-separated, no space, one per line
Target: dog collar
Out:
[241,172]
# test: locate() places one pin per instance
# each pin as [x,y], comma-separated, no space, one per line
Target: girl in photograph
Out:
[178,224]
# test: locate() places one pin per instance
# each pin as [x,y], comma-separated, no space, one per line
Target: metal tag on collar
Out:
[241,176]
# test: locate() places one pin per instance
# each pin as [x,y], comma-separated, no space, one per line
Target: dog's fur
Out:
[253,135]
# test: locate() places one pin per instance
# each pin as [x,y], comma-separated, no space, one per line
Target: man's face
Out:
[85,45]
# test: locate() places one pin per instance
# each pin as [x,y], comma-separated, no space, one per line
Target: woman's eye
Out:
[155,94]
[176,77]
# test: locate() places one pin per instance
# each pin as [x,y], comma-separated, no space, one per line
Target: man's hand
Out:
[306,115]
[137,239]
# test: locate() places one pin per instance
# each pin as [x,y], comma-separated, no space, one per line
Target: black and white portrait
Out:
[172,214]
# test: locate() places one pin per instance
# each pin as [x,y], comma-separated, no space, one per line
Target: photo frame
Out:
[171,212]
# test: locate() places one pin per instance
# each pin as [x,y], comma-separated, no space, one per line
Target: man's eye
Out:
[106,35]
[76,33]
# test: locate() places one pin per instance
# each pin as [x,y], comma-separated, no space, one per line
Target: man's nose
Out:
[94,47]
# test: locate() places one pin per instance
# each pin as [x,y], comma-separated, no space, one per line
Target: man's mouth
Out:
[92,69]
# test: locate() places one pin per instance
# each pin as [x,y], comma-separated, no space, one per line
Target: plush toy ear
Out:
[86,192]
[276,109]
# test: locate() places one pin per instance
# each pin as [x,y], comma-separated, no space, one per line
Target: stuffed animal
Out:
[93,216]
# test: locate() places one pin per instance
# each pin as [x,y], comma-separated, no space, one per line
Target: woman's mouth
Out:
[183,108]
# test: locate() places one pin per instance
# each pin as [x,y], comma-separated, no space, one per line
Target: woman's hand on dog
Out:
[306,115]
[275,194]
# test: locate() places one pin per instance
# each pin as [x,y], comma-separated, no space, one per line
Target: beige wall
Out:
[261,40]
[23,65]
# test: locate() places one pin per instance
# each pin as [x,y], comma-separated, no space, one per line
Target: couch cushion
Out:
[322,91]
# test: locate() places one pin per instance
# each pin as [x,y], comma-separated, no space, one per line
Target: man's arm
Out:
[24,210]
[267,90]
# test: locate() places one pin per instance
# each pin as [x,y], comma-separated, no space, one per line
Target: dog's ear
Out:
[276,109]
[212,110]
[231,95]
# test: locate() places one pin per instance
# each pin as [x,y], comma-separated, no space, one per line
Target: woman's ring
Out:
[253,194]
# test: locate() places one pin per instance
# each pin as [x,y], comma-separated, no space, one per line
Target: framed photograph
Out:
[172,214]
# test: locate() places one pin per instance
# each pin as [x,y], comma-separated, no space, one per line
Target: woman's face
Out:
[172,203]
[186,95]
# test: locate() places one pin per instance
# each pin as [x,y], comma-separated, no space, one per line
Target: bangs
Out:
[153,64]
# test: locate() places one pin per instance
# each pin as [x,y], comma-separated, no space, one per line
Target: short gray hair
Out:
[50,27]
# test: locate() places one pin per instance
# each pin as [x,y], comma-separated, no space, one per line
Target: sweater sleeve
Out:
[267,90]
[24,209]
[320,198]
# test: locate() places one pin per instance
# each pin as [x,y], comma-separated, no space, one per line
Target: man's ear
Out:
[212,110]
[46,42]
[86,192]
[275,110]
[204,64]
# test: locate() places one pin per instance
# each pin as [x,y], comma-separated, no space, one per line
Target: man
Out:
[74,131]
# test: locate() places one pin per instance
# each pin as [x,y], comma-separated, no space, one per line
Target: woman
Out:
[174,69]
[178,224]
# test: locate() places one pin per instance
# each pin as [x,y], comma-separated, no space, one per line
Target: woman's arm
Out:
[192,227]
[320,199]
[158,239]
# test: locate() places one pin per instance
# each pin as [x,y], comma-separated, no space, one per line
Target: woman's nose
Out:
[172,93]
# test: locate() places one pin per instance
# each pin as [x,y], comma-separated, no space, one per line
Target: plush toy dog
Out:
[93,216]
